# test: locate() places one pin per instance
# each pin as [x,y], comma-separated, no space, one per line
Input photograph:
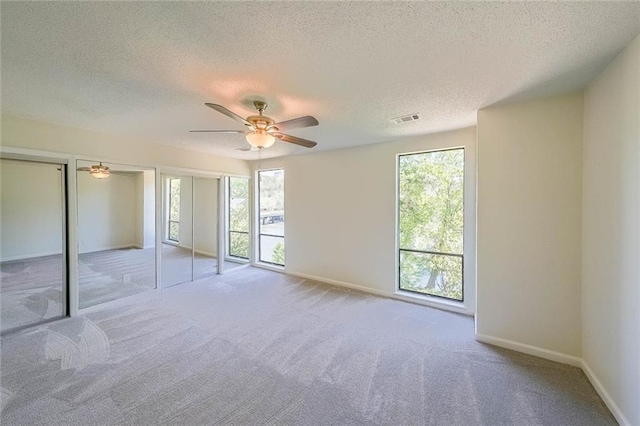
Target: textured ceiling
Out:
[145,69]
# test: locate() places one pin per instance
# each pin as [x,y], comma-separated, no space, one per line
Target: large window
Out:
[238,216]
[430,220]
[271,219]
[173,228]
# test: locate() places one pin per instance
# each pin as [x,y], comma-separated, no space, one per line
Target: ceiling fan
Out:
[98,171]
[262,131]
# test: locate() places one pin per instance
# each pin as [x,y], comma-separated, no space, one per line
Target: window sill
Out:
[434,302]
[236,260]
[269,266]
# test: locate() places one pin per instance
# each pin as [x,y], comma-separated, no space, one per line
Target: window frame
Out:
[169,220]
[228,219]
[399,249]
[259,234]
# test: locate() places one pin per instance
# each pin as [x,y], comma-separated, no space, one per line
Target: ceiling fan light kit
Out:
[260,139]
[99,171]
[262,130]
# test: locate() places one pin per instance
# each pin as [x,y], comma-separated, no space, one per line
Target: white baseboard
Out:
[29,256]
[610,403]
[206,253]
[141,247]
[390,295]
[530,350]
[119,247]
[564,359]
[342,284]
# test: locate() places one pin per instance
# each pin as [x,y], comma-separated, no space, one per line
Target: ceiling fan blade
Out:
[217,131]
[230,114]
[84,169]
[294,139]
[296,123]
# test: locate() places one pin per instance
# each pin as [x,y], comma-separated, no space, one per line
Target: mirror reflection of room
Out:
[177,236]
[116,231]
[32,259]
[190,244]
[205,227]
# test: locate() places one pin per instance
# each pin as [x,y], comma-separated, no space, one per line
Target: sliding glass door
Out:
[33,284]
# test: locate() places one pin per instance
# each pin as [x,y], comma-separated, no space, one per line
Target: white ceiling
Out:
[145,69]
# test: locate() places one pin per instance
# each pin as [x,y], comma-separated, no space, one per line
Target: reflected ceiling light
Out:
[99,171]
[260,138]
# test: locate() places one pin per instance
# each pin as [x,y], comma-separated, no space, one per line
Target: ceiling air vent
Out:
[405,118]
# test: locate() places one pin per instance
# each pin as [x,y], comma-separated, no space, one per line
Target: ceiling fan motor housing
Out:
[261,121]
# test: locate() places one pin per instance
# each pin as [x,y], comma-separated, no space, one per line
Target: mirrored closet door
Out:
[194,244]
[177,236]
[116,231]
[205,227]
[33,285]
[190,240]
[177,239]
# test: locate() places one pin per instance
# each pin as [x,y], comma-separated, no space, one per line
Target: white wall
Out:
[145,209]
[341,211]
[30,210]
[529,223]
[37,135]
[149,184]
[107,212]
[205,216]
[611,234]
[186,212]
[139,226]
